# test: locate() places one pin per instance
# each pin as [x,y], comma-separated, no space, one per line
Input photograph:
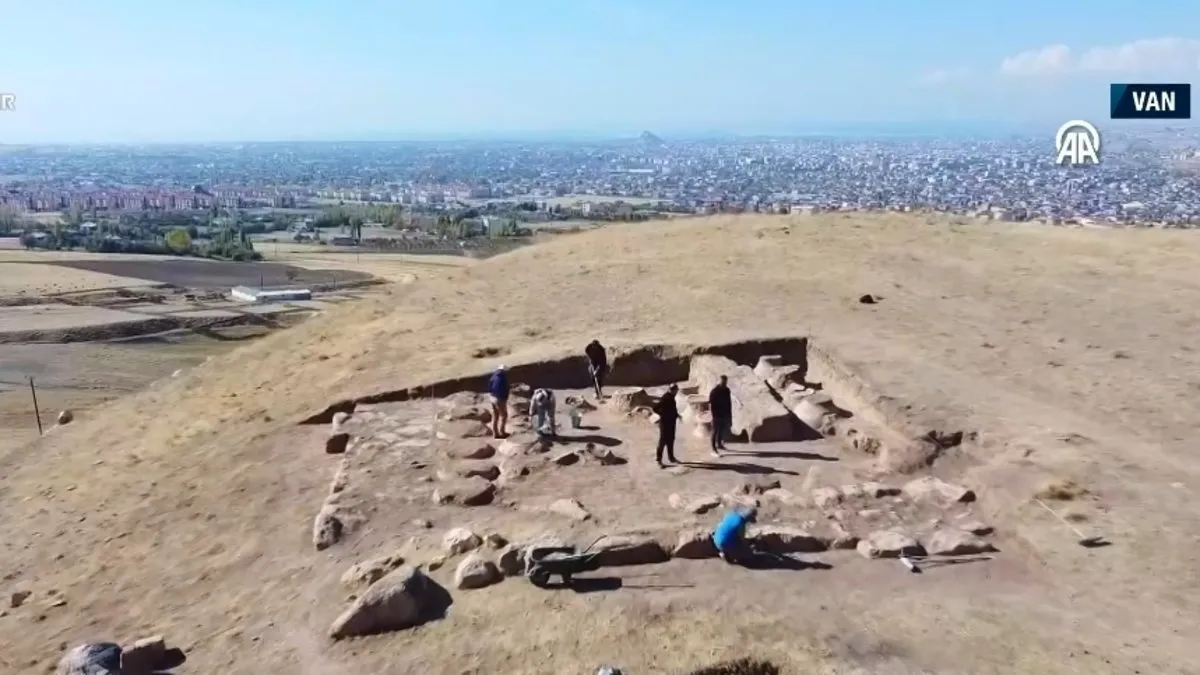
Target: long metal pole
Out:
[36,412]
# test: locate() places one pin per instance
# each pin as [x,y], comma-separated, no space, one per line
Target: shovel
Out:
[1084,540]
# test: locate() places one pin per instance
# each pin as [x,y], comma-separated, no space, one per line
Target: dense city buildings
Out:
[1144,178]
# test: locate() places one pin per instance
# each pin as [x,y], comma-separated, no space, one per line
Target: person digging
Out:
[597,365]
[730,535]
[498,394]
[541,412]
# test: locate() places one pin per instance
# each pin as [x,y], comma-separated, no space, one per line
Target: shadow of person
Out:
[765,560]
[595,439]
[747,468]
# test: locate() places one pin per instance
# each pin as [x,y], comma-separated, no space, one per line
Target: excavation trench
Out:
[817,395]
[650,365]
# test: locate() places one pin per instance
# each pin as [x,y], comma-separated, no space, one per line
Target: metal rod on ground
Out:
[37,414]
[1084,540]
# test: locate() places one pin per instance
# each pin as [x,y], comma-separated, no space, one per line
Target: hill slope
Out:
[186,509]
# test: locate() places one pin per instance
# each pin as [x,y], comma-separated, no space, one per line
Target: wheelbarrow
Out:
[561,561]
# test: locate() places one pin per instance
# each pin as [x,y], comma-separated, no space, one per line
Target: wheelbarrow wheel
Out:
[566,578]
[539,578]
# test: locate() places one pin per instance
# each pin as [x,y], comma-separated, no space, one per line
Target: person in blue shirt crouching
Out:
[730,535]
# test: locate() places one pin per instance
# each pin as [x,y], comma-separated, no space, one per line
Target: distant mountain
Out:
[650,139]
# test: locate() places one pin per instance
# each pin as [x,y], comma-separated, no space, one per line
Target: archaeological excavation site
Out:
[424,503]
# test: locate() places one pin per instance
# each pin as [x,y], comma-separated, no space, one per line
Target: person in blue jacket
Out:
[730,535]
[498,393]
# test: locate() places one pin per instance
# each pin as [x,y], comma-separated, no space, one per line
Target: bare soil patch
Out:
[37,280]
[200,274]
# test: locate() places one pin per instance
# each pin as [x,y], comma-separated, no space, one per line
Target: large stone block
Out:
[756,411]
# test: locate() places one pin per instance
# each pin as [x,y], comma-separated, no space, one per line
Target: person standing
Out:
[668,419]
[597,365]
[498,393]
[720,406]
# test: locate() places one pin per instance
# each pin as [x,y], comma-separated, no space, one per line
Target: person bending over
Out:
[498,393]
[730,535]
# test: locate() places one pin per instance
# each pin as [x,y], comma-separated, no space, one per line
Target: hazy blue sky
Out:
[131,70]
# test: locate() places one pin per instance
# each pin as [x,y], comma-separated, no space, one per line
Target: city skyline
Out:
[136,72]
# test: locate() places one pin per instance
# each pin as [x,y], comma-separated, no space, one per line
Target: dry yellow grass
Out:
[31,279]
[185,509]
[397,267]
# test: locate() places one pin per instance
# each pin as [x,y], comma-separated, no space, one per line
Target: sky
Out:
[246,70]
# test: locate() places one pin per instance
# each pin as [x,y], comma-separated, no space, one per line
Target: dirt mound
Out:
[188,507]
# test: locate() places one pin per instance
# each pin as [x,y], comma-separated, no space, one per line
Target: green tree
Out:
[178,240]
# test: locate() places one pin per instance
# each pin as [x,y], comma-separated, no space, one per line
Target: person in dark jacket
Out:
[597,365]
[498,393]
[720,406]
[668,418]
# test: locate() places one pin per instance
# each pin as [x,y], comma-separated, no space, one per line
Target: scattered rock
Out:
[341,478]
[756,485]
[495,540]
[579,403]
[876,490]
[336,443]
[826,497]
[472,451]
[466,492]
[841,538]
[476,572]
[977,528]
[566,458]
[460,540]
[457,429]
[631,549]
[396,601]
[697,505]
[145,656]
[936,491]
[954,541]
[472,414]
[66,417]
[868,299]
[736,500]
[1062,490]
[694,545]
[605,456]
[784,497]
[18,598]
[889,544]
[511,560]
[513,447]
[422,523]
[571,509]
[339,422]
[470,469]
[328,528]
[627,400]
[435,563]
[783,539]
[91,659]
[363,574]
